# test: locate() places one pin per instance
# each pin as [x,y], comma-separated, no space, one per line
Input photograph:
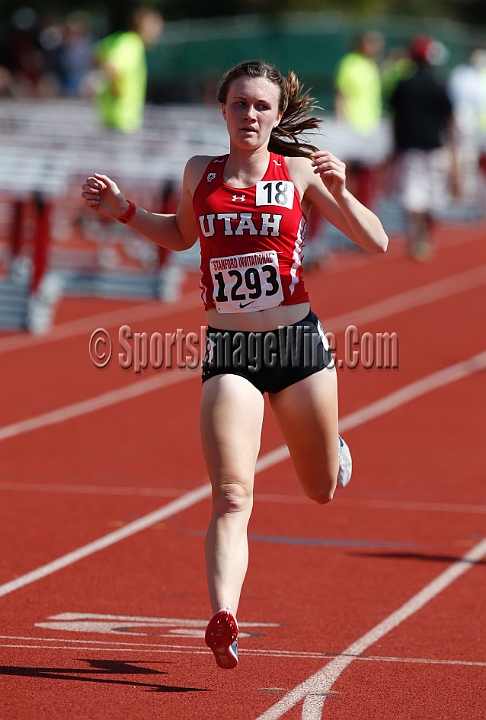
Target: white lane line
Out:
[98,642]
[420,387]
[172,508]
[129,490]
[169,377]
[414,390]
[176,506]
[122,316]
[420,661]
[314,688]
[141,621]
[102,645]
[399,397]
[409,299]
[415,505]
[92,489]
[84,648]
[406,505]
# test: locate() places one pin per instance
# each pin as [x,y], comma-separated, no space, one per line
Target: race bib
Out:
[275,192]
[246,283]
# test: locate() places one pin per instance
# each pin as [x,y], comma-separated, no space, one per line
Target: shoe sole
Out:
[345,465]
[222,637]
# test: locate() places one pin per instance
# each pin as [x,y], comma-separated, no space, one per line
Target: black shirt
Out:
[422,110]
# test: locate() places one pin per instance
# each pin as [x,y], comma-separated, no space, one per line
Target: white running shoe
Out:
[222,637]
[345,464]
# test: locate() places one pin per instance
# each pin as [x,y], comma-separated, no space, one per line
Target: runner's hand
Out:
[331,171]
[103,195]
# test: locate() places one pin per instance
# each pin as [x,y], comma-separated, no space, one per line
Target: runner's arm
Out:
[323,183]
[175,232]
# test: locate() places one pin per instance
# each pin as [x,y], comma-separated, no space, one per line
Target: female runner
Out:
[249,208]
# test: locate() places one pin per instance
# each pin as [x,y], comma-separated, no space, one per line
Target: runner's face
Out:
[251,111]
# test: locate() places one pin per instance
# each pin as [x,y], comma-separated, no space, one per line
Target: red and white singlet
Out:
[251,240]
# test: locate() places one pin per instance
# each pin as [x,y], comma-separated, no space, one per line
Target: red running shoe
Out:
[222,637]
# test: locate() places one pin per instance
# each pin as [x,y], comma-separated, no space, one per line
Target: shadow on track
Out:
[103,667]
[417,556]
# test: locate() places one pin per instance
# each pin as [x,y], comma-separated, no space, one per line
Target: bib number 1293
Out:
[245,283]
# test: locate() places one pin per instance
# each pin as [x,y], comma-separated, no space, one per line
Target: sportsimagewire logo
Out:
[140,351]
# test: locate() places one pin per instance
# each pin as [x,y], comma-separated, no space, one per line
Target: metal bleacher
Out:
[46,143]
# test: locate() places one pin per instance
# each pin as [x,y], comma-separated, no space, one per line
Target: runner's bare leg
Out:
[231,422]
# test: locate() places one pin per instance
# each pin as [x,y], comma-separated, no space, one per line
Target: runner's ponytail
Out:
[296,120]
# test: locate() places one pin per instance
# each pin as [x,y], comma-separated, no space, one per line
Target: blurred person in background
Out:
[466,87]
[75,59]
[6,81]
[358,84]
[121,57]
[358,104]
[425,147]
[122,61]
[397,65]
[29,53]
[21,55]
[50,41]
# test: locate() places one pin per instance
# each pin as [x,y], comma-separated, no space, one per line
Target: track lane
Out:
[242,690]
[315,689]
[41,378]
[184,584]
[431,293]
[375,410]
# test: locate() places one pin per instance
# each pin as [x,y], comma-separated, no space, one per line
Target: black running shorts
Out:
[271,360]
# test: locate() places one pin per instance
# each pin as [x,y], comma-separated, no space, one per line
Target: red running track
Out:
[102,595]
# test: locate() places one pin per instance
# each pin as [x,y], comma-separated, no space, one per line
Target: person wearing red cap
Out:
[422,121]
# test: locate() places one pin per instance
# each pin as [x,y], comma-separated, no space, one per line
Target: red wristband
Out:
[129,213]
